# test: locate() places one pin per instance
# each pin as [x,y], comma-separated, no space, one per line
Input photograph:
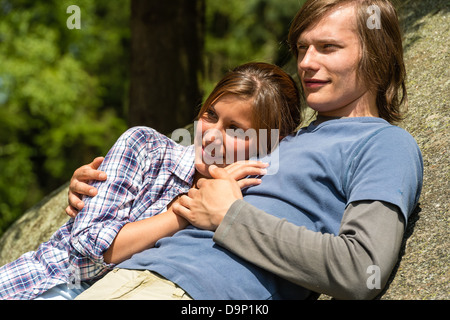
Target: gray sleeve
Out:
[355,264]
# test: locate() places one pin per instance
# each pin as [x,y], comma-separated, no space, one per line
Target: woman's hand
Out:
[79,185]
[206,206]
[241,170]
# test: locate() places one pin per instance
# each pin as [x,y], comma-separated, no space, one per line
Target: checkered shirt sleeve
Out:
[138,169]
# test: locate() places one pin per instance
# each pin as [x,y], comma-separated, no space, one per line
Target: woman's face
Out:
[222,134]
[329,53]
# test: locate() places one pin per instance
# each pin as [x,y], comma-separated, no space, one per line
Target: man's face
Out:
[329,53]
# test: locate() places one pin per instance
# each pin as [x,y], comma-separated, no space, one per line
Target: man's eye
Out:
[330,46]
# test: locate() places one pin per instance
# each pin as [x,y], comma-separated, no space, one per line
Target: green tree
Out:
[166,64]
[67,94]
[242,31]
[60,93]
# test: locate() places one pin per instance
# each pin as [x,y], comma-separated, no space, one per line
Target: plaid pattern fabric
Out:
[146,170]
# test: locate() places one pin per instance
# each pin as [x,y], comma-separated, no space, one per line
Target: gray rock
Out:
[34,226]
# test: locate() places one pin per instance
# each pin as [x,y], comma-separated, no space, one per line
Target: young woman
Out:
[146,173]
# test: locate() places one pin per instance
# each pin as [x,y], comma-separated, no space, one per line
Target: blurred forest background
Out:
[67,94]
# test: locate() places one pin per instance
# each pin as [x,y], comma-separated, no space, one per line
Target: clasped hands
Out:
[204,206]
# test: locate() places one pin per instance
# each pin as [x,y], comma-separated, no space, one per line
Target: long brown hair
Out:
[274,95]
[381,66]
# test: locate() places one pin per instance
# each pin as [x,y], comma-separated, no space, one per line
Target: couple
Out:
[337,206]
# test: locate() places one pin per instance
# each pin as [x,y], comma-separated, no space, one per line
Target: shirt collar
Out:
[183,164]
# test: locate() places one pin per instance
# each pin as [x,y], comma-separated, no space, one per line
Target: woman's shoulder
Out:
[142,132]
[145,137]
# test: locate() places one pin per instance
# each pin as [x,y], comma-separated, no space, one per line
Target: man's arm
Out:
[79,185]
[340,266]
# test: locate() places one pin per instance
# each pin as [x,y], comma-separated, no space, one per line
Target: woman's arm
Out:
[139,235]
[79,183]
[129,166]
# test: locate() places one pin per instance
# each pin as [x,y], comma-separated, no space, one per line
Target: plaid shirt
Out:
[146,170]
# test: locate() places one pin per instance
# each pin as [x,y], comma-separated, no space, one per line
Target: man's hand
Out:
[206,206]
[79,185]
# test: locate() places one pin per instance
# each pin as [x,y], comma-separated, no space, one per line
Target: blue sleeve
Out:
[386,167]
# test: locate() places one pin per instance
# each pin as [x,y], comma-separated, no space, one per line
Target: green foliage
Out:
[242,31]
[60,93]
[63,92]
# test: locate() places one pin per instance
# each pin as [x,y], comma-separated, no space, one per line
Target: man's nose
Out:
[308,61]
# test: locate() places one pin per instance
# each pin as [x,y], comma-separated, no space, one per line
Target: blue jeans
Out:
[63,292]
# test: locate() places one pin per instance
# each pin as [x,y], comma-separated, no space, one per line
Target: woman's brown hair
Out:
[381,66]
[274,95]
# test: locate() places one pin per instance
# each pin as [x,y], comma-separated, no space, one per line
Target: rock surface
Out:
[424,270]
[35,226]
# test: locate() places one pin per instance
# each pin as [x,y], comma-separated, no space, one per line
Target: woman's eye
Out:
[210,115]
[236,132]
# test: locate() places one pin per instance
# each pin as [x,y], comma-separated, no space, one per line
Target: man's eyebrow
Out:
[320,40]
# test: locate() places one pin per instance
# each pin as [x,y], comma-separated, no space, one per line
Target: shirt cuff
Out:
[229,219]
[94,241]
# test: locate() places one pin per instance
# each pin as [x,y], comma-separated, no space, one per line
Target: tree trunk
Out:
[166,62]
